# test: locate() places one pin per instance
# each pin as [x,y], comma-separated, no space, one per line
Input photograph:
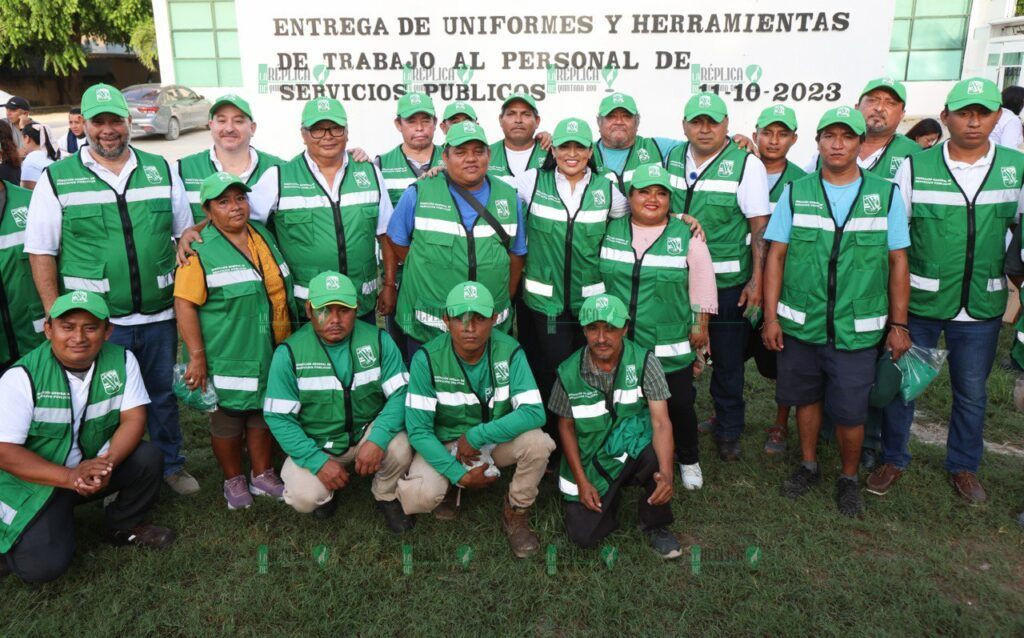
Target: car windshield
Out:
[141,94]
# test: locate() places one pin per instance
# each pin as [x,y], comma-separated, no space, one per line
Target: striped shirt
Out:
[655,386]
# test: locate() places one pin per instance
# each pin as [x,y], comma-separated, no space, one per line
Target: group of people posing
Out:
[547,299]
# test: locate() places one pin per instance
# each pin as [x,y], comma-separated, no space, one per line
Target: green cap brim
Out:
[217,190]
[629,108]
[615,321]
[897,90]
[63,305]
[527,99]
[331,300]
[717,116]
[460,309]
[579,138]
[112,109]
[311,121]
[785,120]
[991,105]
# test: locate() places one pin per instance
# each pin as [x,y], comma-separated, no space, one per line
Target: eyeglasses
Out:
[320,133]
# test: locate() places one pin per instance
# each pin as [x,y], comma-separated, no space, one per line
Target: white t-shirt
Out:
[244,175]
[33,165]
[752,191]
[517,160]
[17,399]
[1008,131]
[525,182]
[63,144]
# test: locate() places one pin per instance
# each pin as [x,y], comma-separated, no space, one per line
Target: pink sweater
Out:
[701,280]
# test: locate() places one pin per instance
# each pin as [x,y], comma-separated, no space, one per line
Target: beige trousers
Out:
[304,491]
[423,488]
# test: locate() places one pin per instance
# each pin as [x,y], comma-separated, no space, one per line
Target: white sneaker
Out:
[691,475]
[182,483]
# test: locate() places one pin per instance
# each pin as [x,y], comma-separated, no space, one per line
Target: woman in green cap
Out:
[662,268]
[233,301]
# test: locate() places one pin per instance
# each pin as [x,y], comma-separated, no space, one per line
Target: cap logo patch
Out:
[322,106]
[414,99]
[843,111]
[469,127]
[975,87]
[704,101]
[460,106]
[79,296]
[332,283]
[888,81]
[572,127]
[224,177]
[469,292]
[103,95]
[780,110]
[618,98]
[601,303]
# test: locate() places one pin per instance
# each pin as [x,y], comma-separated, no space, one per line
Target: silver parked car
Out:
[165,110]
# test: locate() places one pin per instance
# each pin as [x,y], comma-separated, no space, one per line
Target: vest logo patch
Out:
[1009,174]
[643,155]
[675,245]
[361,179]
[599,198]
[872,203]
[102,95]
[79,296]
[975,87]
[631,375]
[501,372]
[726,168]
[20,215]
[332,283]
[365,356]
[501,206]
[152,174]
[111,382]
[894,164]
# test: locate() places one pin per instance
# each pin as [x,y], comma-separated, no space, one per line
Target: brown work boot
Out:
[516,523]
[881,480]
[448,509]
[776,441]
[967,485]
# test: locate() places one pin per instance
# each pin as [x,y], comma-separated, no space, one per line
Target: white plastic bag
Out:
[483,459]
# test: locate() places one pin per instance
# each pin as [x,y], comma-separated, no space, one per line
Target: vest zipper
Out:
[833,259]
[133,256]
[339,231]
[965,286]
[485,408]
[5,315]
[691,188]
[570,226]
[634,288]
[346,390]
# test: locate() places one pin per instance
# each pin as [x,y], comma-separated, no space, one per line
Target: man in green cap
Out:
[104,220]
[231,127]
[620,150]
[456,225]
[521,148]
[74,417]
[883,104]
[457,112]
[611,400]
[837,287]
[336,396]
[473,407]
[21,330]
[726,189]
[962,196]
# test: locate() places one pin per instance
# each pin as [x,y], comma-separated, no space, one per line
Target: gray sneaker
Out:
[182,483]
[236,493]
[267,484]
[664,543]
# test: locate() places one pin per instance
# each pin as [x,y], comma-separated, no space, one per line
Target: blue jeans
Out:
[972,350]
[729,332]
[154,345]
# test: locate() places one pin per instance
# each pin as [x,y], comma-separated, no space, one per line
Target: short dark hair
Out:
[1013,98]
[927,126]
[75,110]
[550,163]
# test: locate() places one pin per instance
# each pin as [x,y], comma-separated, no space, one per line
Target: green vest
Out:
[836,283]
[21,312]
[442,255]
[316,234]
[119,245]
[561,266]
[398,173]
[888,162]
[50,432]
[459,408]
[334,412]
[1017,351]
[498,166]
[643,151]
[236,320]
[957,247]
[655,288]
[608,429]
[712,200]
[194,168]
[791,172]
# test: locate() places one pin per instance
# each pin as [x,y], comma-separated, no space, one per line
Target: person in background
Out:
[39,152]
[1009,131]
[10,157]
[17,110]
[75,137]
[457,112]
[927,133]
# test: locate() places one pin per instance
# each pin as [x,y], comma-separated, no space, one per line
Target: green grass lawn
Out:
[918,563]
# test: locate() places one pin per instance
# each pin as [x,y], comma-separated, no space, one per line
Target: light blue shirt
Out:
[841,199]
[615,158]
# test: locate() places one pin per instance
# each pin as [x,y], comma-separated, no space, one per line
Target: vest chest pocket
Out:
[320,408]
[246,297]
[717,207]
[670,285]
[870,313]
[85,224]
[438,246]
[872,249]
[592,230]
[540,225]
[294,226]
[931,211]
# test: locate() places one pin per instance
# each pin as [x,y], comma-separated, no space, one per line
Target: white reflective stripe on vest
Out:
[623,458]
[162,281]
[318,383]
[420,402]
[369,286]
[7,513]
[722,267]
[867,223]
[298,202]
[281,406]
[627,176]
[457,398]
[568,487]
[502,316]
[396,382]
[549,212]
[1020,336]
[996,284]
[626,397]
[869,324]
[52,415]
[672,349]
[500,394]
[285,270]
[538,288]
[589,411]
[103,408]
[147,193]
[193,197]
[665,261]
[941,198]
[88,198]
[614,254]
[530,397]
[678,182]
[924,283]
[746,240]
[300,291]
[81,283]
[366,376]
[359,198]
[803,220]
[228,277]
[1002,196]
[591,217]
[242,384]
[792,314]
[717,186]
[37,325]
[12,240]
[398,183]
[593,289]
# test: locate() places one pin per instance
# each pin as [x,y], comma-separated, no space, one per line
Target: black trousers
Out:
[587,528]
[729,331]
[46,547]
[683,415]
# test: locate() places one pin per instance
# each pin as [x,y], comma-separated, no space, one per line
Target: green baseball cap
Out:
[706,103]
[234,100]
[412,103]
[894,86]
[779,113]
[332,287]
[523,97]
[459,108]
[572,129]
[80,300]
[617,101]
[650,175]
[974,91]
[103,98]
[217,183]
[463,132]
[606,308]
[847,115]
[324,108]
[888,378]
[469,296]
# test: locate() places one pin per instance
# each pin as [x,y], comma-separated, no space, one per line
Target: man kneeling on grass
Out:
[611,400]
[74,416]
[473,405]
[336,396]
